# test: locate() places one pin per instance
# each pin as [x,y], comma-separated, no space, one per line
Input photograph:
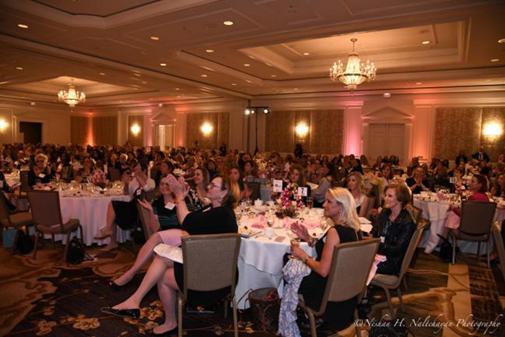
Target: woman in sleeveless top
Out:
[340,207]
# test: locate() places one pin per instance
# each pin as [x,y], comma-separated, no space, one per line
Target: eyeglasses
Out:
[211,185]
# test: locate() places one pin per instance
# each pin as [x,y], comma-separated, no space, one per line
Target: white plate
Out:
[169,252]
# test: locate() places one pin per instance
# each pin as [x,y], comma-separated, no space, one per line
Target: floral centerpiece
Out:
[99,178]
[289,201]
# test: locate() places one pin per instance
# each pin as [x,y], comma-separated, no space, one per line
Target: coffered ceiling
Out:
[171,51]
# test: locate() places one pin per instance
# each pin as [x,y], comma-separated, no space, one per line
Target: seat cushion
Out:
[70,226]
[21,218]
[383,280]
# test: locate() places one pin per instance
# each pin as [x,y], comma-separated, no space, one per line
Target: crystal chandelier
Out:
[355,72]
[71,96]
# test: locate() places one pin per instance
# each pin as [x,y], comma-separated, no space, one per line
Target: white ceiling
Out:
[106,47]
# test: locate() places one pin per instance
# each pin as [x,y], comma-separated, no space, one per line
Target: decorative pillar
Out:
[352,142]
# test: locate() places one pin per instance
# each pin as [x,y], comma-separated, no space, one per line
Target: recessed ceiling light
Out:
[387,95]
[155,38]
[210,51]
[207,68]
[501,40]
[163,64]
[306,54]
[273,75]
[234,84]
[137,74]
[33,103]
[19,68]
[228,23]
[144,82]
[494,60]
[101,74]
[247,65]
[22,25]
[419,83]
[248,81]
[177,89]
[426,42]
[203,75]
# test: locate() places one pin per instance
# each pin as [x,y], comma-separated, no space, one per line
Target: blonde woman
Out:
[356,185]
[340,208]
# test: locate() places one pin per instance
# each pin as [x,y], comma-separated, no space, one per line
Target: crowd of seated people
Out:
[194,191]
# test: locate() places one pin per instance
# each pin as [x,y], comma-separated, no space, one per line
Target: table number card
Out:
[302,191]
[277,185]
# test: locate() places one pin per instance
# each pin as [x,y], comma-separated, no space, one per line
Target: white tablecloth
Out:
[92,213]
[436,212]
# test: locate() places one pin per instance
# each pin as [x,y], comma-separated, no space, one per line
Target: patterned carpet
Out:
[47,298]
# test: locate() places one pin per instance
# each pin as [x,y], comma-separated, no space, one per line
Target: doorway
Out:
[386,140]
[166,136]
[31,131]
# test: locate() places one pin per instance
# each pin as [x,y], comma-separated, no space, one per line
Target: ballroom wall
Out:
[220,122]
[462,129]
[94,130]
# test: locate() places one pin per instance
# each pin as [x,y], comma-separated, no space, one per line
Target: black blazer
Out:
[396,239]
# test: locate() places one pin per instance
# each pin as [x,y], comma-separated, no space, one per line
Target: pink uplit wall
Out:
[90,137]
[352,131]
[423,132]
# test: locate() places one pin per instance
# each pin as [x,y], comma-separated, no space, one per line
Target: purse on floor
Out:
[76,253]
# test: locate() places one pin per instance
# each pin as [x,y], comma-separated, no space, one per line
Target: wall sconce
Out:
[3,125]
[492,130]
[302,130]
[135,129]
[206,129]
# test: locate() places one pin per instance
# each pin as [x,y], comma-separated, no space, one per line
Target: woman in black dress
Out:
[169,275]
[339,206]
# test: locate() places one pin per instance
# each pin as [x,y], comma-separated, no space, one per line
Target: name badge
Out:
[277,185]
[138,192]
[169,205]
[42,175]
[302,191]
[452,180]
[383,239]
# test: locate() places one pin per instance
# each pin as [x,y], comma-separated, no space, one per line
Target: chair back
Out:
[144,220]
[350,267]
[4,210]
[210,261]
[23,179]
[45,207]
[415,212]
[500,247]
[411,249]
[477,217]
[115,174]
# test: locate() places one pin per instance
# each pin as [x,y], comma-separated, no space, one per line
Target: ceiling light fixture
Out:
[306,54]
[494,60]
[273,75]
[163,64]
[426,42]
[228,23]
[419,83]
[203,75]
[501,40]
[101,74]
[23,26]
[71,96]
[155,38]
[251,110]
[387,95]
[19,68]
[247,65]
[234,84]
[355,72]
[210,51]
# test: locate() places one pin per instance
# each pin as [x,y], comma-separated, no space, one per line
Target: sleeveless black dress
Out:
[338,315]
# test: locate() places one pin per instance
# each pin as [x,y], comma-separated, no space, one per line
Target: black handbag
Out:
[445,249]
[24,242]
[75,253]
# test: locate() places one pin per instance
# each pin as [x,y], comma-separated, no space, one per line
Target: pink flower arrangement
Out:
[289,201]
[99,178]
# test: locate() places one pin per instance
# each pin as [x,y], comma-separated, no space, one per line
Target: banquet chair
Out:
[392,282]
[476,221]
[144,220]
[350,267]
[500,247]
[46,213]
[13,220]
[210,263]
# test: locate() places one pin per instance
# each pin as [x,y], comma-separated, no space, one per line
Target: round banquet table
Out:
[91,210]
[436,211]
[262,249]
